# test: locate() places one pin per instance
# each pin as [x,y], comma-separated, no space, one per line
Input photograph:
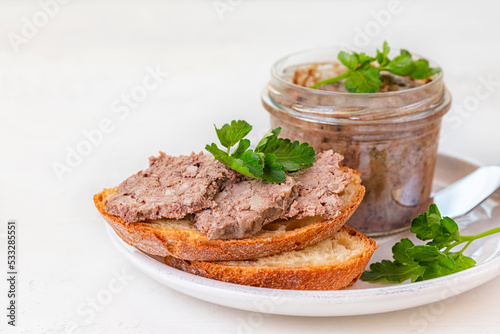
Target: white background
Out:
[63,77]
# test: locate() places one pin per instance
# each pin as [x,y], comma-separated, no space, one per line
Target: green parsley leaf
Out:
[349,60]
[273,171]
[401,65]
[399,250]
[248,163]
[431,226]
[462,262]
[423,262]
[394,272]
[364,59]
[270,135]
[382,58]
[270,159]
[433,270]
[230,134]
[422,70]
[219,154]
[363,76]
[290,156]
[243,145]
[448,233]
[427,225]
[364,81]
[430,254]
[405,53]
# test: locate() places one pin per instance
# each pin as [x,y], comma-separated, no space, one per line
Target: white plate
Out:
[362,297]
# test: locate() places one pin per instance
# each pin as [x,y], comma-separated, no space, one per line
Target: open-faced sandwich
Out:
[221,216]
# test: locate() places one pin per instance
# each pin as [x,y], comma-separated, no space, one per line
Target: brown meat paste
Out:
[222,203]
[171,187]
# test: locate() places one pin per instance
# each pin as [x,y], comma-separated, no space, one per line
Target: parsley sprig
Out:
[363,74]
[434,259]
[270,159]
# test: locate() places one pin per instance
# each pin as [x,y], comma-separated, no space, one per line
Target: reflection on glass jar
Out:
[390,138]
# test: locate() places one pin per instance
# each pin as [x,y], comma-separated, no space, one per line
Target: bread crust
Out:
[158,238]
[332,276]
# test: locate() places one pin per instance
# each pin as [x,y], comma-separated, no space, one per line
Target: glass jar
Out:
[390,138]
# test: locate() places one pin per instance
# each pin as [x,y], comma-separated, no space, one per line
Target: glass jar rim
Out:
[282,95]
[275,69]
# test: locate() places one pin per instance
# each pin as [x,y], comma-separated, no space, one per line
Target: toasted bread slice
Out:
[181,239]
[331,264]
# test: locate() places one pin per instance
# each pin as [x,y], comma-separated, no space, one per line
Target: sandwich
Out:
[210,220]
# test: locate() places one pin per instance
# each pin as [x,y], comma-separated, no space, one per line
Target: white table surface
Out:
[69,74]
